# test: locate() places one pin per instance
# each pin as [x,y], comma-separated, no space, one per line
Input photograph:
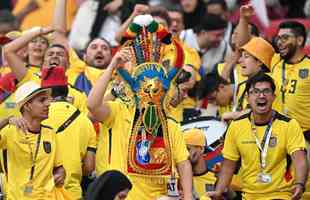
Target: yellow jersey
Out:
[103,150]
[121,120]
[19,147]
[177,112]
[191,57]
[43,16]
[239,101]
[286,138]
[293,96]
[76,135]
[202,182]
[80,75]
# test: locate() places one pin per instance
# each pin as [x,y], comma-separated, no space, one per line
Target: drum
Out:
[214,130]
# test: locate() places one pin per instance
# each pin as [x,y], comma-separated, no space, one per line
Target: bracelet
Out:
[302,185]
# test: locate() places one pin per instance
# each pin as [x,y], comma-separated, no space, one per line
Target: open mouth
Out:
[261,104]
[54,62]
[283,50]
[38,50]
[99,58]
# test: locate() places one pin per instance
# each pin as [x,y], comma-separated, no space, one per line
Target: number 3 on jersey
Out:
[293,84]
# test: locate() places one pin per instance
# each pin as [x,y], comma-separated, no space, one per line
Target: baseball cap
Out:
[195,137]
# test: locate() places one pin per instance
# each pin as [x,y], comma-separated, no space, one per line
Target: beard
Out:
[290,53]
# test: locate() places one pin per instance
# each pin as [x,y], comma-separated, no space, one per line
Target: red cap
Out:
[53,76]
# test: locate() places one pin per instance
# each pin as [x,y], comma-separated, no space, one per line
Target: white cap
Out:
[27,91]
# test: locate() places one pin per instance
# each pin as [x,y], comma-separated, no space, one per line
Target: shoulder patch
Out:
[282,117]
[247,115]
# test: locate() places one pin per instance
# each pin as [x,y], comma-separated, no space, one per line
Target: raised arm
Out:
[60,23]
[138,10]
[230,62]
[100,111]
[246,11]
[10,50]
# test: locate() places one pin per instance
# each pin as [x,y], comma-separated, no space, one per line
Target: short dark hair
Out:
[58,46]
[297,28]
[210,22]
[162,12]
[220,2]
[100,38]
[257,78]
[208,84]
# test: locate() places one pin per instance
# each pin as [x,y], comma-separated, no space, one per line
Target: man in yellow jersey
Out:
[34,159]
[75,132]
[290,69]
[84,73]
[262,139]
[140,130]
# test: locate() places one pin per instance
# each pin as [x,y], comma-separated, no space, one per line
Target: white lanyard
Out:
[263,147]
[235,89]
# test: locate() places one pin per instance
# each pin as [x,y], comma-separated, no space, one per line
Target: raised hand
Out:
[46,30]
[246,11]
[20,123]
[121,57]
[140,9]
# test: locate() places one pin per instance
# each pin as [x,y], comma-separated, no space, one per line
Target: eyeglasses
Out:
[257,92]
[284,37]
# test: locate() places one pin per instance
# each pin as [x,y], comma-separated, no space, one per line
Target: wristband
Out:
[302,185]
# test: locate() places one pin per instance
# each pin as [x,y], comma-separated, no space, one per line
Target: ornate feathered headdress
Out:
[145,38]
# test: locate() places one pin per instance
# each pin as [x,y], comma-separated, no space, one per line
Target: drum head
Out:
[213,128]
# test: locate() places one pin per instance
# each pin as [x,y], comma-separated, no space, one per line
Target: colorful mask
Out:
[149,146]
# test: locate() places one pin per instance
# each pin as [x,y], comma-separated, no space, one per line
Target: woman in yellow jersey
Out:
[30,54]
[34,163]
